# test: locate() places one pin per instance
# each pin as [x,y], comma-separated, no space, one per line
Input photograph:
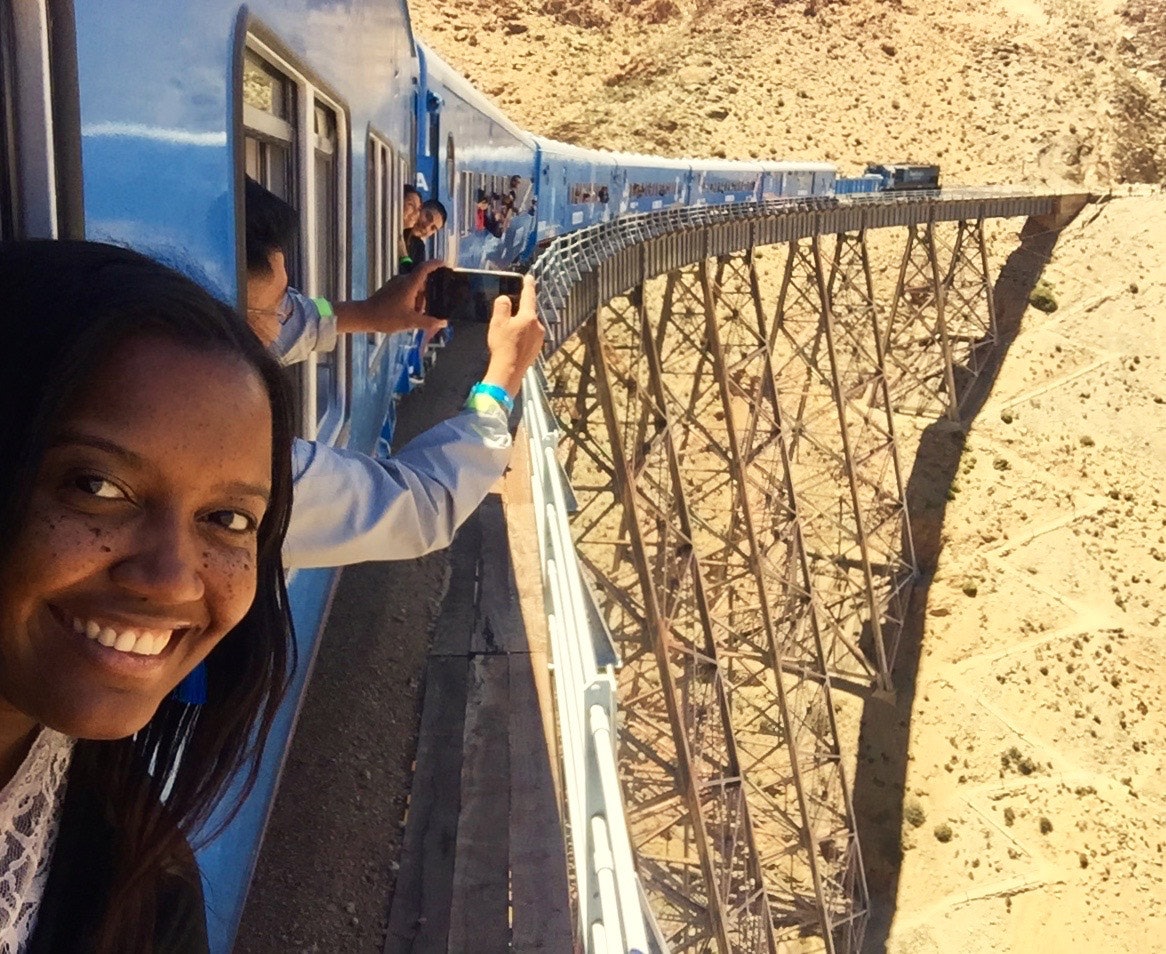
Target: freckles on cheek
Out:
[238,582]
[61,539]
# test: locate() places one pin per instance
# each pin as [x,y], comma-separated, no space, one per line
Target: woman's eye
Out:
[99,487]
[234,521]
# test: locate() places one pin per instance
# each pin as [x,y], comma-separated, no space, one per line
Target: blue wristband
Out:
[499,394]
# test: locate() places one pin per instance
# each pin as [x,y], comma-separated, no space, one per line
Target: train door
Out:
[40,139]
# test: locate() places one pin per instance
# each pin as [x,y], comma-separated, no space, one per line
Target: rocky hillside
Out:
[1043,91]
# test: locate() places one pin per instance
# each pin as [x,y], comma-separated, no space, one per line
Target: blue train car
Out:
[723,183]
[649,183]
[576,188]
[486,171]
[797,180]
[858,185]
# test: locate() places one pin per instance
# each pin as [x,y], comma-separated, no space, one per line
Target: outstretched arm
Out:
[398,305]
[350,508]
[313,324]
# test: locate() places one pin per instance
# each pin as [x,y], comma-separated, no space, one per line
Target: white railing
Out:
[612,914]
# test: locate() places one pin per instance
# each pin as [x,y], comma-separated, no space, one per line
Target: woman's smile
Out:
[136,646]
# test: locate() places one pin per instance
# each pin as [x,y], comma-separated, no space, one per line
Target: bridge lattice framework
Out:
[742,515]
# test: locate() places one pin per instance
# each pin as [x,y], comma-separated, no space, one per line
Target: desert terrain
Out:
[1027,812]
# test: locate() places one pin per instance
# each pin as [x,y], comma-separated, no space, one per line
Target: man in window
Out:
[431,221]
[349,507]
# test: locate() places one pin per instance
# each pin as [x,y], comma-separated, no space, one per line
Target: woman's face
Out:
[411,210]
[138,550]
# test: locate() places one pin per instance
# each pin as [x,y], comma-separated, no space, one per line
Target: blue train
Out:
[137,122]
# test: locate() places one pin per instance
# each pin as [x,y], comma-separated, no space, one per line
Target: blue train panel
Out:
[858,185]
[484,172]
[649,183]
[576,188]
[724,183]
[796,180]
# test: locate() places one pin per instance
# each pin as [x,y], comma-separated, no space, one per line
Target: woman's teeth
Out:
[141,642]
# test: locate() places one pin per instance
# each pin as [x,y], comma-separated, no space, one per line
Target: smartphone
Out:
[467,294]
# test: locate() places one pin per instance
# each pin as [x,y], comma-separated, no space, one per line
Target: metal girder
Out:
[969,308]
[730,437]
[916,333]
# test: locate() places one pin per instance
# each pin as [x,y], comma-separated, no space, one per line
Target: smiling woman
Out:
[145,486]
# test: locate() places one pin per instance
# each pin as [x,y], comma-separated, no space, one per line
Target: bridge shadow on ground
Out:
[880,777]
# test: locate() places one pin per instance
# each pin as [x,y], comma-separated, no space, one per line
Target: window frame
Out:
[40,112]
[9,127]
[388,173]
[260,43]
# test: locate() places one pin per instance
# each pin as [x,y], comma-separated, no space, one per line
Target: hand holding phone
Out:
[468,294]
[515,338]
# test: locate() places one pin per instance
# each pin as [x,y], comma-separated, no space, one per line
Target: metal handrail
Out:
[612,914]
[567,268]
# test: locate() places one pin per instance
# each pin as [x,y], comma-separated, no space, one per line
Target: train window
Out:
[296,144]
[331,389]
[269,113]
[583,193]
[40,144]
[387,175]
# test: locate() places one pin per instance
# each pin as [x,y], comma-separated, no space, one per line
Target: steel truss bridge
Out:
[722,508]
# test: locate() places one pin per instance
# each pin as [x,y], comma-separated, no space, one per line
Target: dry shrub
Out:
[659,11]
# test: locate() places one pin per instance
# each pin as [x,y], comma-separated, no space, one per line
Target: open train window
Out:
[295,143]
[40,144]
[387,175]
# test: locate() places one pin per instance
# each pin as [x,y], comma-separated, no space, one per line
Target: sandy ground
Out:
[1012,798]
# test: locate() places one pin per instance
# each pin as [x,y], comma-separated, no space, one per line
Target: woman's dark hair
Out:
[68,306]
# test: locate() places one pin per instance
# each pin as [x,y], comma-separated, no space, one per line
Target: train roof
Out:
[440,71]
[726,165]
[785,165]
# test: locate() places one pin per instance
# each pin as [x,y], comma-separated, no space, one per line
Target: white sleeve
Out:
[305,331]
[351,508]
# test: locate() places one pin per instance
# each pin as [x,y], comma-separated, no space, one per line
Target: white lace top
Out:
[30,815]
